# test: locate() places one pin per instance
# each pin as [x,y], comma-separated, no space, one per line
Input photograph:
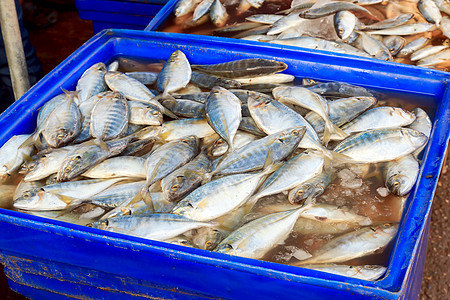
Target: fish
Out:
[307,99]
[177,129]
[294,172]
[401,175]
[251,156]
[109,117]
[185,108]
[244,68]
[330,8]
[344,23]
[374,47]
[359,243]
[141,113]
[313,187]
[147,78]
[120,166]
[264,18]
[223,113]
[91,82]
[202,9]
[430,11]
[241,138]
[426,52]
[378,118]
[388,23]
[334,215]
[408,29]
[413,46]
[218,14]
[181,182]
[394,43]
[157,227]
[341,111]
[184,7]
[211,81]
[423,124]
[175,74]
[12,155]
[379,145]
[256,238]
[364,272]
[161,163]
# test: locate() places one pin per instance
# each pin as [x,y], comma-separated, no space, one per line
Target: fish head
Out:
[191,140]
[34,167]
[28,200]
[99,66]
[219,147]
[226,248]
[387,229]
[399,184]
[258,100]
[153,114]
[183,208]
[301,193]
[292,135]
[69,167]
[404,114]
[207,238]
[60,137]
[416,138]
[102,224]
[177,188]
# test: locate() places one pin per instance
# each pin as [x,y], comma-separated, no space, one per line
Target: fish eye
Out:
[155,113]
[60,135]
[26,195]
[228,246]
[219,142]
[208,244]
[386,225]
[341,30]
[67,169]
[415,133]
[31,167]
[175,187]
[295,132]
[299,192]
[396,184]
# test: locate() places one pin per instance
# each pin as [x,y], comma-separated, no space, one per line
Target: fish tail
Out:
[332,132]
[163,109]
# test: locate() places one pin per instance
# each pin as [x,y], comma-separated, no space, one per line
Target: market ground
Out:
[55,43]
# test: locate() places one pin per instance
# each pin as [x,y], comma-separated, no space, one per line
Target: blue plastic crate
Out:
[120,14]
[46,259]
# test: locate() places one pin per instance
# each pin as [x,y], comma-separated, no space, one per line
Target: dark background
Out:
[56,31]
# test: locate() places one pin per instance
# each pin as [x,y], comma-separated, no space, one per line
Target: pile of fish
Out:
[216,158]
[406,31]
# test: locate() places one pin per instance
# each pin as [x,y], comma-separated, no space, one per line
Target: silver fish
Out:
[408,29]
[334,215]
[161,163]
[255,239]
[184,7]
[311,188]
[223,112]
[117,194]
[388,23]
[331,8]
[180,128]
[185,108]
[374,47]
[146,78]
[341,111]
[352,245]
[202,9]
[120,166]
[144,113]
[365,272]
[109,117]
[12,155]
[91,82]
[394,43]
[413,46]
[218,14]
[49,106]
[401,175]
[248,124]
[175,74]
[157,227]
[62,125]
[241,138]
[442,57]
[426,52]
[242,68]
[295,171]
[307,99]
[430,11]
[422,122]
[251,157]
[264,18]
[344,22]
[380,145]
[187,178]
[378,118]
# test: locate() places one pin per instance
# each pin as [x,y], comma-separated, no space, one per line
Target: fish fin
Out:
[164,110]
[206,177]
[101,144]
[33,139]
[332,132]
[333,159]
[147,198]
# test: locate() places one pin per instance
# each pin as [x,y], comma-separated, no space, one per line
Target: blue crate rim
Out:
[108,35]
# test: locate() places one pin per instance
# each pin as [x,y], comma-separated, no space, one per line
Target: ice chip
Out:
[383,191]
